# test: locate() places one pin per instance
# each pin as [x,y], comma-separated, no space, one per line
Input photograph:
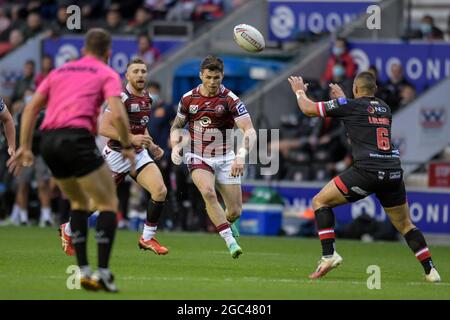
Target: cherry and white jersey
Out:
[211,120]
[139,111]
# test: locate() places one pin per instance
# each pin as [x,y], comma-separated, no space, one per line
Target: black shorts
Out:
[70,152]
[387,184]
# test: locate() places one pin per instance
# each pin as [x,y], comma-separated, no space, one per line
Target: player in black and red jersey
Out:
[376,168]
[212,111]
[138,104]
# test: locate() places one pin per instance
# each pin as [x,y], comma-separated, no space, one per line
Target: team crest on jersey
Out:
[144,120]
[135,107]
[220,109]
[370,109]
[193,108]
[205,121]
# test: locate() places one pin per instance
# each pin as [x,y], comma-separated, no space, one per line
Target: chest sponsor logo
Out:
[372,109]
[135,107]
[193,108]
[205,121]
[433,117]
[144,120]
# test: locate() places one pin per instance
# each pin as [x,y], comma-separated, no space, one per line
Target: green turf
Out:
[199,266]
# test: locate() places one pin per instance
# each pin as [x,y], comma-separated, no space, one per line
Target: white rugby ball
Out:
[249,38]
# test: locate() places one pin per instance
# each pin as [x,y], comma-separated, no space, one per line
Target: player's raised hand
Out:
[297,84]
[21,158]
[336,91]
[176,156]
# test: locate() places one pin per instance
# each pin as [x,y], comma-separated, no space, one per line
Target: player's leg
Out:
[204,180]
[23,189]
[396,207]
[232,196]
[101,188]
[77,242]
[43,177]
[351,185]
[150,178]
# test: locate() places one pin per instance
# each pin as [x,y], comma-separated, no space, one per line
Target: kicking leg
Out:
[205,182]
[232,196]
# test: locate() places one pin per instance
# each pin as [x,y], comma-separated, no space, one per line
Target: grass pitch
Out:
[33,266]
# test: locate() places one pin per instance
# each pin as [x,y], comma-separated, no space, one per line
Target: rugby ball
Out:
[249,38]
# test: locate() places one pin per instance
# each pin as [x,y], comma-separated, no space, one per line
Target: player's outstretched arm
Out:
[307,106]
[10,129]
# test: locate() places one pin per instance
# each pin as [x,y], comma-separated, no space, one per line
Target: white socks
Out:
[227,235]
[67,229]
[149,232]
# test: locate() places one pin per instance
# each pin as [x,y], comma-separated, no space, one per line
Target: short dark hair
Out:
[212,63]
[98,41]
[366,81]
[136,60]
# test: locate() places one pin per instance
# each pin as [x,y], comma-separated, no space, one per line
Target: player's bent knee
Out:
[110,205]
[79,205]
[234,213]
[317,203]
[160,193]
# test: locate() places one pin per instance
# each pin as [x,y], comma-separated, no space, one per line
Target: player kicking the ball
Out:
[137,102]
[376,169]
[211,110]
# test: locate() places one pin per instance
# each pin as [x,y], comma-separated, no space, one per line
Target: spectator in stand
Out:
[158,8]
[393,86]
[208,10]
[146,50]
[4,20]
[140,23]
[428,30]
[34,25]
[27,81]
[181,11]
[114,23]
[339,54]
[15,40]
[407,95]
[340,78]
[380,93]
[46,67]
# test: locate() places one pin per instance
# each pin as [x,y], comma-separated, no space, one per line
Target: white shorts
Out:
[220,166]
[120,167]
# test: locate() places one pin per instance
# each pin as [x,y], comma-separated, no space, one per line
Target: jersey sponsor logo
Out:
[144,120]
[241,109]
[395,175]
[372,110]
[374,120]
[330,105]
[205,121]
[135,107]
[433,117]
[359,191]
[342,101]
[193,108]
